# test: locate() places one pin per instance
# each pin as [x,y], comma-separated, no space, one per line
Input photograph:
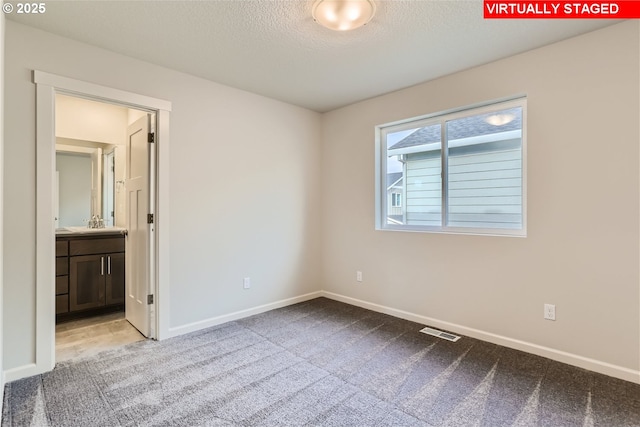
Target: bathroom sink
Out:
[86,230]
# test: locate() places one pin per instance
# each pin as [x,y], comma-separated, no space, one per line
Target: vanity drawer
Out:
[62,304]
[62,248]
[62,266]
[62,285]
[96,246]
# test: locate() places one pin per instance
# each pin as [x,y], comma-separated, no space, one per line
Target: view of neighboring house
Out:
[394,197]
[484,162]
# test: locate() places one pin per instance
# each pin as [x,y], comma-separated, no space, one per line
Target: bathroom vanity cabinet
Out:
[90,273]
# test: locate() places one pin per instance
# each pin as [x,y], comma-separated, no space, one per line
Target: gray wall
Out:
[229,219]
[2,23]
[582,248]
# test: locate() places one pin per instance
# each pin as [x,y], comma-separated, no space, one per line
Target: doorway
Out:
[47,87]
[99,243]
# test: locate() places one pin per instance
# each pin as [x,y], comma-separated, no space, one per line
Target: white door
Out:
[96,182]
[108,189]
[56,199]
[138,241]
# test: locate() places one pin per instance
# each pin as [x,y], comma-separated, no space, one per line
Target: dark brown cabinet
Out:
[114,285]
[62,276]
[95,274]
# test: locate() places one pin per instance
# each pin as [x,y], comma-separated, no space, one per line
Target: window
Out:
[396,200]
[459,172]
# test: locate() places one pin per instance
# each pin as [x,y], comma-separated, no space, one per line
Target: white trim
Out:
[382,155]
[2,101]
[460,142]
[83,89]
[397,205]
[213,321]
[45,229]
[161,219]
[408,123]
[550,353]
[20,372]
[47,85]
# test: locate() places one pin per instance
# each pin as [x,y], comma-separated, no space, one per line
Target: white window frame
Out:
[381,196]
[397,199]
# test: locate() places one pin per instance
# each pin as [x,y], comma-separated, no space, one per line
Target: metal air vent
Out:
[440,334]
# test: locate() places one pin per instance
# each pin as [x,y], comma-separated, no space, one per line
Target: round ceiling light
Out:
[343,15]
[500,119]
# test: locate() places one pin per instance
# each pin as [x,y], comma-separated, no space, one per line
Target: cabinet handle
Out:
[102,266]
[109,264]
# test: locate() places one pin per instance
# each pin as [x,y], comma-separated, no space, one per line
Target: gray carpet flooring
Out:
[318,363]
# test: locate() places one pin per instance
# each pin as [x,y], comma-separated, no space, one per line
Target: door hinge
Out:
[149,299]
[149,218]
[151,137]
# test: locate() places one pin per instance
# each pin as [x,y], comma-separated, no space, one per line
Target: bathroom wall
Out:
[78,118]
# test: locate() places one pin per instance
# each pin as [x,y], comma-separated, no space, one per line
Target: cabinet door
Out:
[115,279]
[62,304]
[86,281]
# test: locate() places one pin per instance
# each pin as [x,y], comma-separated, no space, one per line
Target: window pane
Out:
[485,170]
[416,154]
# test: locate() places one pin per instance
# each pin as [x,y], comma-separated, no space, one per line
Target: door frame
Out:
[47,86]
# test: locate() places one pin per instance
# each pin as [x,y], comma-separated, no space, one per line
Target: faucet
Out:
[95,222]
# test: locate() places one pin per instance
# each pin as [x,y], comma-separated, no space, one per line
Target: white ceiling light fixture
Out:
[343,15]
[500,119]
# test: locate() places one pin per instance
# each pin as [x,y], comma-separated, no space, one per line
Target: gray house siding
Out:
[485,186]
[424,194]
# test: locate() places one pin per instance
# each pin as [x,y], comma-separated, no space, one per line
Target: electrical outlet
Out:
[359,276]
[246,282]
[550,312]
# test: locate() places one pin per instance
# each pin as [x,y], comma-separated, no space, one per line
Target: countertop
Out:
[78,231]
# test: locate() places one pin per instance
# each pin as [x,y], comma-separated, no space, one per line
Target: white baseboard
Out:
[550,353]
[21,372]
[213,321]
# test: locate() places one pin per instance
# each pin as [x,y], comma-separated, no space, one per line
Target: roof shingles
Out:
[465,127]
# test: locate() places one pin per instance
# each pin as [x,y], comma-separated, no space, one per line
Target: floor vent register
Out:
[440,334]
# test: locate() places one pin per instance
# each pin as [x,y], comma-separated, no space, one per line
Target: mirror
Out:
[85,182]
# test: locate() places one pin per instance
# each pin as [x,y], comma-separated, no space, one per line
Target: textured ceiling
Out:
[274,48]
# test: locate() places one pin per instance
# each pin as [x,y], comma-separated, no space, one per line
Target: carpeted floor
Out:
[319,363]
